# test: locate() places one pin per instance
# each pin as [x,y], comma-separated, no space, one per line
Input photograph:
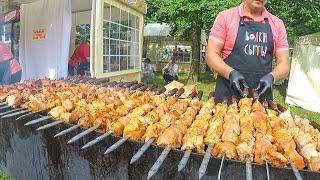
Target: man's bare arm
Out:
[282,68]
[214,59]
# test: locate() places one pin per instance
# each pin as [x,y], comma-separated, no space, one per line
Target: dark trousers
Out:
[16,77]
[5,75]
[72,70]
[168,78]
[85,66]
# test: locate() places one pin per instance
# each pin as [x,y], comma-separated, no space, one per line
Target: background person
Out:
[170,71]
[10,69]
[80,59]
[147,71]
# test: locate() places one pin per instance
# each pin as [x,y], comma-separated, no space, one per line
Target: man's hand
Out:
[235,79]
[265,83]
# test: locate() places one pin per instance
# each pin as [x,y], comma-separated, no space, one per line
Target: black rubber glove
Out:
[265,83]
[236,79]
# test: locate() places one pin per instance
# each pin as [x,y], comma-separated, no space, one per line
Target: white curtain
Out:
[304,87]
[47,56]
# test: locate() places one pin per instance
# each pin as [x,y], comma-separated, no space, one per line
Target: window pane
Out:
[124,18]
[114,63]
[114,31]
[123,63]
[106,62]
[106,12]
[124,33]
[137,22]
[122,48]
[113,47]
[106,27]
[132,20]
[115,14]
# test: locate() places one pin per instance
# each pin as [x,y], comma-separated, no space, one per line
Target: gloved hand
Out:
[236,79]
[265,83]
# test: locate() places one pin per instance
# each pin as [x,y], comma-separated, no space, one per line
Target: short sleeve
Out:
[219,29]
[281,43]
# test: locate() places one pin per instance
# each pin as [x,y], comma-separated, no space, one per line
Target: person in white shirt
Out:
[170,71]
[147,71]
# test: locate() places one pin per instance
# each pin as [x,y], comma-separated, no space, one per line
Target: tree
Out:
[188,17]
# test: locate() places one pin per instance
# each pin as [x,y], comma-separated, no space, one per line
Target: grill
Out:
[28,153]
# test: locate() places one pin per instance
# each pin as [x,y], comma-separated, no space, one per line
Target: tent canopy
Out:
[304,87]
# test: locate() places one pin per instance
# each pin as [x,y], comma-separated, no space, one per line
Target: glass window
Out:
[121,39]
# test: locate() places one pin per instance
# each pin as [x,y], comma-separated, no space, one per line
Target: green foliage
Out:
[185,16]
[300,17]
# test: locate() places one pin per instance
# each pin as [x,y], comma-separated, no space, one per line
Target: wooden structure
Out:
[116,38]
[160,47]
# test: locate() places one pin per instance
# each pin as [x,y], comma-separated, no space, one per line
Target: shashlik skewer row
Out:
[27,98]
[65,103]
[193,139]
[172,136]
[100,137]
[136,126]
[166,117]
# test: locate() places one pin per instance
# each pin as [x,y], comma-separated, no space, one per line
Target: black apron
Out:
[252,56]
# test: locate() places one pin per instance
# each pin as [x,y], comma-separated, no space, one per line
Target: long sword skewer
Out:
[267,169]
[116,145]
[37,120]
[49,125]
[205,161]
[11,111]
[221,166]
[16,114]
[98,139]
[248,170]
[156,166]
[82,134]
[72,128]
[184,160]
[142,150]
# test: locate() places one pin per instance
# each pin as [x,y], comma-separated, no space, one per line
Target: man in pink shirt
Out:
[242,44]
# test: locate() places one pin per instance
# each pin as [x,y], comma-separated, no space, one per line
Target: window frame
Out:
[99,39]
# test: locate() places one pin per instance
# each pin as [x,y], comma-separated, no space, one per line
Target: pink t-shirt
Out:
[225,29]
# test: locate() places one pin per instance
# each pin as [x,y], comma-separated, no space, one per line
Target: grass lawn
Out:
[207,84]
[3,176]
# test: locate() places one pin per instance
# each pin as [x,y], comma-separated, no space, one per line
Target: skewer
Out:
[95,141]
[3,103]
[82,134]
[156,166]
[184,160]
[187,153]
[145,147]
[283,109]
[11,111]
[29,114]
[67,130]
[37,120]
[116,145]
[141,151]
[267,168]
[248,162]
[49,125]
[205,161]
[248,170]
[15,114]
[124,139]
[221,165]
[295,171]
[4,107]
[265,105]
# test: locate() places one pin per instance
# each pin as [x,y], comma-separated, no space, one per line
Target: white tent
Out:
[304,81]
